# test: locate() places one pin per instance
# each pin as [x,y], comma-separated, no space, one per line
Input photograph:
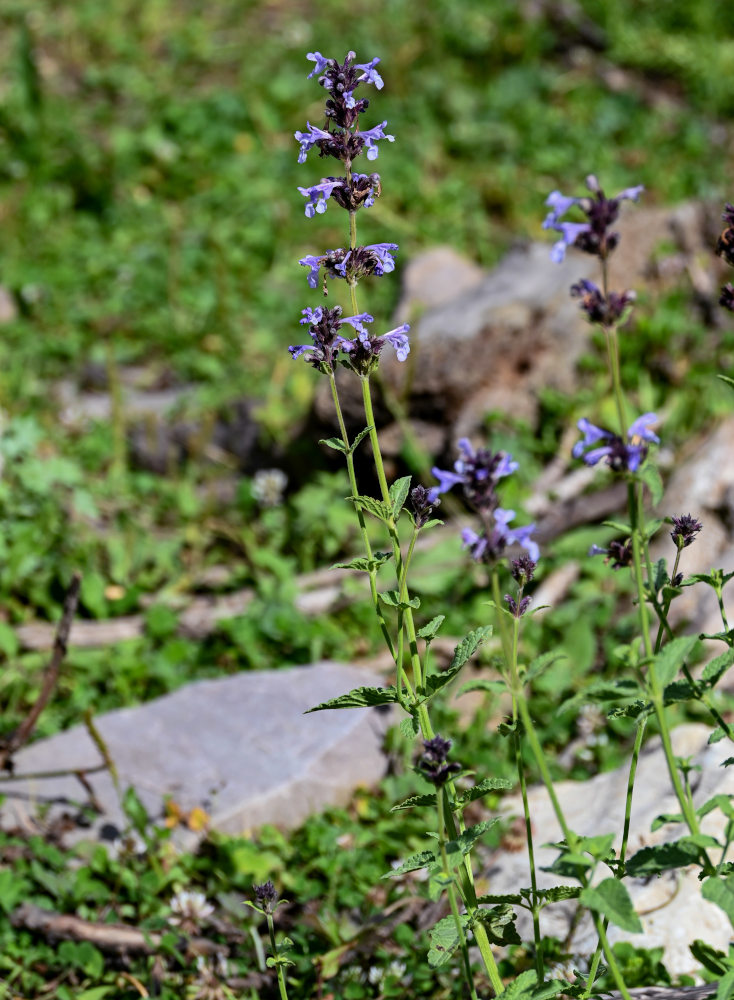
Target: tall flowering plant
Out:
[499,542]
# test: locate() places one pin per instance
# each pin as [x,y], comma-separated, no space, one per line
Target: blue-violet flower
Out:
[592,236]
[621,456]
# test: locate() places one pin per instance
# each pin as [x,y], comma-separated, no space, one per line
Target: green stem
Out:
[360,517]
[451,890]
[569,836]
[515,683]
[281,970]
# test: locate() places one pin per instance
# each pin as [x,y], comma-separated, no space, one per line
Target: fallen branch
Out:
[16,740]
[115,938]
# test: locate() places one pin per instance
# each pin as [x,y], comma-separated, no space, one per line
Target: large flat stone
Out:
[240,747]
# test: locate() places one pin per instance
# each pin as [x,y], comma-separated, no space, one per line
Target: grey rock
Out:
[702,485]
[434,277]
[239,747]
[671,909]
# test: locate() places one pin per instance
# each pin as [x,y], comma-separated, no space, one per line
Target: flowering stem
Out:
[657,695]
[451,890]
[625,840]
[360,516]
[569,836]
[515,683]
[274,947]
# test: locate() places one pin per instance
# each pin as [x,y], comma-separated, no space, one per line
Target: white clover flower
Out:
[189,909]
[268,486]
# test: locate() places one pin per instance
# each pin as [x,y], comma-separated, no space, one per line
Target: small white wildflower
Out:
[396,968]
[130,844]
[189,909]
[268,486]
[375,975]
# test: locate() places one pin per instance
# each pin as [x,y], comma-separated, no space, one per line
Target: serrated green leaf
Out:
[678,691]
[526,986]
[415,800]
[611,898]
[392,599]
[336,443]
[499,923]
[720,891]
[444,940]
[414,863]
[717,735]
[429,631]
[660,575]
[359,438]
[661,858]
[483,788]
[375,507]
[556,893]
[664,818]
[398,494]
[362,697]
[715,670]
[457,848]
[468,646]
[409,728]
[669,660]
[721,801]
[365,564]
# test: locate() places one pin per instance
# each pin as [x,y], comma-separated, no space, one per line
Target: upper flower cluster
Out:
[594,235]
[344,140]
[479,472]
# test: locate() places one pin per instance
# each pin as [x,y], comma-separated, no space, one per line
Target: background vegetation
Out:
[150,218]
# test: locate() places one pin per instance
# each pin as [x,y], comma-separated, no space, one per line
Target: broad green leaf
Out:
[715,670]
[526,986]
[457,848]
[483,788]
[429,631]
[362,697]
[612,900]
[409,728]
[365,564]
[717,735]
[723,802]
[664,818]
[412,864]
[662,857]
[392,599]
[721,892]
[620,526]
[428,799]
[398,494]
[336,443]
[444,940]
[557,893]
[375,507]
[468,646]
[499,923]
[669,660]
[678,691]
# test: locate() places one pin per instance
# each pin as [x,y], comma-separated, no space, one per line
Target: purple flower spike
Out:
[399,340]
[383,252]
[591,433]
[309,139]
[314,263]
[371,136]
